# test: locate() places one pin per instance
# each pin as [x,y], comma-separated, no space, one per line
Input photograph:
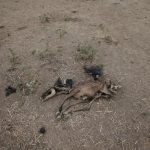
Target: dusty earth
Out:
[39,41]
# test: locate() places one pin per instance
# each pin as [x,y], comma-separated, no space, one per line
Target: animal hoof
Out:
[58,117]
[57,113]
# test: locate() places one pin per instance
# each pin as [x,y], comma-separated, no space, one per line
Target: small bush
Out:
[85,53]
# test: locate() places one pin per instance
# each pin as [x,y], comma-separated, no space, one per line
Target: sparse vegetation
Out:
[43,54]
[29,87]
[61,32]
[44,18]
[109,40]
[71,19]
[121,123]
[85,53]
[14,60]
[33,52]
[23,81]
[47,54]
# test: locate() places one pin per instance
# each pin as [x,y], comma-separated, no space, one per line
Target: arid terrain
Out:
[41,40]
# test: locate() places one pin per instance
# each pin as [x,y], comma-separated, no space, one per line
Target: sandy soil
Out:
[38,43]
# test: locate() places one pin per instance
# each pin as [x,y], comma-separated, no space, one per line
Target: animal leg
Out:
[48,94]
[62,89]
[67,98]
[73,105]
[61,107]
[62,92]
[89,105]
[62,113]
[59,113]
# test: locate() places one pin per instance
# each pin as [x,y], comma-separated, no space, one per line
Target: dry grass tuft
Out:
[85,53]
[44,18]
[14,59]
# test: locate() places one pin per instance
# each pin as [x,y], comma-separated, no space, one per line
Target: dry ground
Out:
[38,42]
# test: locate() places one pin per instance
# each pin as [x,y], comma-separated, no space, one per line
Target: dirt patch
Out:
[39,42]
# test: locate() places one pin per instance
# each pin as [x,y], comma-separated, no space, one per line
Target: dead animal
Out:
[60,87]
[87,92]
[84,92]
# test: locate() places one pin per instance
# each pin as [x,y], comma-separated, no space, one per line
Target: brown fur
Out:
[87,90]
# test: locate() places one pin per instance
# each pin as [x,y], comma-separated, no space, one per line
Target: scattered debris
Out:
[28,87]
[10,90]
[61,32]
[94,71]
[108,39]
[42,130]
[14,59]
[67,19]
[44,18]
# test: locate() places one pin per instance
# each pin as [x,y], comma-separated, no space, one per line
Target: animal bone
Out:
[48,94]
[60,87]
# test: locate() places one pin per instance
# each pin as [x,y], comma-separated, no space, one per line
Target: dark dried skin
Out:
[86,89]
[60,87]
[10,90]
[94,70]
[64,83]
